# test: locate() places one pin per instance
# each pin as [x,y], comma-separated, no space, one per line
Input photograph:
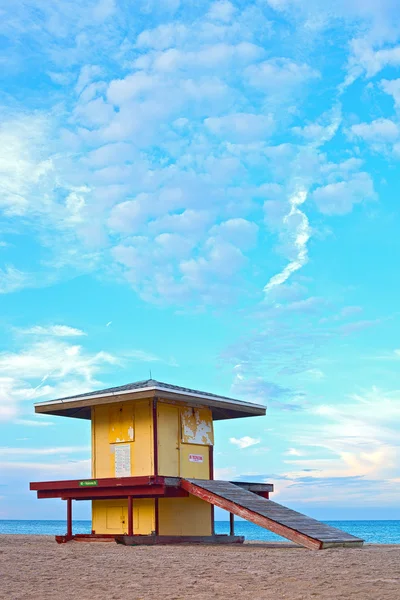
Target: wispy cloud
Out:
[54,330]
[357,326]
[10,451]
[294,452]
[47,368]
[298,230]
[259,389]
[32,423]
[72,469]
[142,356]
[12,280]
[244,442]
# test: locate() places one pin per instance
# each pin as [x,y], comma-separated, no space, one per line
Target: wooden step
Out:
[152,540]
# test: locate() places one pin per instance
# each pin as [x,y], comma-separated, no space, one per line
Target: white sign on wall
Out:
[122,457]
[197,458]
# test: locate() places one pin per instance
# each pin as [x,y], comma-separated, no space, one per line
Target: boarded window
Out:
[197,426]
[121,423]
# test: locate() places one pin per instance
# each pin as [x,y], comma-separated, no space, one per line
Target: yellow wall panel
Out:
[197,426]
[143,445]
[184,516]
[194,461]
[168,439]
[101,455]
[143,516]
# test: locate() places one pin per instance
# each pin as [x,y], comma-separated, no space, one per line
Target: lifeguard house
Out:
[152,475]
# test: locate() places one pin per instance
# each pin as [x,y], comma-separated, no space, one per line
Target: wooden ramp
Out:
[277,518]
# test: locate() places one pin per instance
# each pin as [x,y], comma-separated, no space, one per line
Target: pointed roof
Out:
[79,406]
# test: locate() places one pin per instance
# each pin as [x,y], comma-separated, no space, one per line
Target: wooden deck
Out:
[268,514]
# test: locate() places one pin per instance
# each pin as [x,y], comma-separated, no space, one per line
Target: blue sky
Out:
[206,190]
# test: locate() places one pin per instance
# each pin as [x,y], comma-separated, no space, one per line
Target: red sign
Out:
[197,458]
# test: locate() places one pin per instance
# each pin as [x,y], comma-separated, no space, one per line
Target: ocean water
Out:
[376,532]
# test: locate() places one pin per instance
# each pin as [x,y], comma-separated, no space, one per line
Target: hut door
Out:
[117,519]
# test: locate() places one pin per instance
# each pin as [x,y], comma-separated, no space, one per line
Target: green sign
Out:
[88,483]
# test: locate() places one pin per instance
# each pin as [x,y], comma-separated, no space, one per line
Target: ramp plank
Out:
[283,521]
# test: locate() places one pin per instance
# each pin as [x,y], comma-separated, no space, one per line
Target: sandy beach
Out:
[36,567]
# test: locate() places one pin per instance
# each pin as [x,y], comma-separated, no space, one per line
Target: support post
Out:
[156,517]
[69,517]
[155,437]
[155,454]
[130,516]
[211,476]
[231,524]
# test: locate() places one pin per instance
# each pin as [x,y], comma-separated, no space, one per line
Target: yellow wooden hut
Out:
[142,430]
[152,477]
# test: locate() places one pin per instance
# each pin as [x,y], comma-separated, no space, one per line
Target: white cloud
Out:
[225,473]
[32,423]
[240,232]
[54,331]
[372,61]
[244,442]
[357,326]
[315,374]
[53,357]
[241,127]
[164,36]
[216,56]
[135,174]
[24,161]
[339,198]
[360,436]
[223,260]
[379,131]
[221,10]
[297,225]
[294,452]
[138,83]
[69,470]
[323,130]
[104,9]
[142,356]
[174,245]
[12,280]
[46,369]
[127,216]
[280,76]
[392,87]
[95,113]
[10,451]
[189,222]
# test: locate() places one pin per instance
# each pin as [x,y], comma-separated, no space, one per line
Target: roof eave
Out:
[57,406]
